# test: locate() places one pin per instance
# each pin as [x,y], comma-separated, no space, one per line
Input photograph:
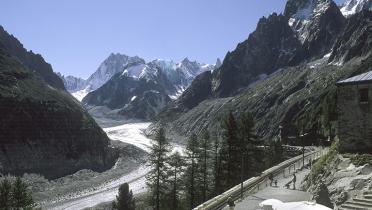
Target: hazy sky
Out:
[75,36]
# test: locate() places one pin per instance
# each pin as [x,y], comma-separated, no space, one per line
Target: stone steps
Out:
[367,193]
[367,196]
[354,207]
[369,201]
[359,203]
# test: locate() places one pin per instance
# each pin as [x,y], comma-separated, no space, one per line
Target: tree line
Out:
[15,195]
[209,165]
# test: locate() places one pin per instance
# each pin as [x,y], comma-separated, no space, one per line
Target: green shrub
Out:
[320,165]
[359,159]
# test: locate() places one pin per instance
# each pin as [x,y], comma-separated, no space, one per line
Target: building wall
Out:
[354,119]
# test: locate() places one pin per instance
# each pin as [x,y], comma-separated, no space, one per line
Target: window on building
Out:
[363,95]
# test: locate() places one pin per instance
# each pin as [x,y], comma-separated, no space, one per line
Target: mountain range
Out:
[133,87]
[284,73]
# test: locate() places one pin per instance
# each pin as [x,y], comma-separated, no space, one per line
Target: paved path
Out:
[286,195]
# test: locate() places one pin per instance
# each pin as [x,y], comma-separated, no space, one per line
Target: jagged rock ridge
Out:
[296,95]
[146,92]
[32,61]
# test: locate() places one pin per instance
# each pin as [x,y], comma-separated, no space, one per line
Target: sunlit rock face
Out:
[317,24]
[296,82]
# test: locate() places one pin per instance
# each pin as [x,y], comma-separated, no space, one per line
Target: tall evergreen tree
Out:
[157,177]
[274,152]
[217,185]
[206,147]
[192,155]
[248,146]
[233,150]
[21,197]
[5,195]
[124,200]
[176,164]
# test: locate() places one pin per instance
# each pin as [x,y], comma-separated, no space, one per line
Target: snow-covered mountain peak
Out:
[351,7]
[179,75]
[115,63]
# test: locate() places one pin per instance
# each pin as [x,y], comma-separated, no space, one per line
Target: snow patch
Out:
[350,7]
[80,94]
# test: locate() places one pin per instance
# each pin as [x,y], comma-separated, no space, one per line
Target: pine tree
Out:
[157,177]
[216,167]
[274,152]
[233,150]
[5,195]
[125,200]
[248,146]
[176,164]
[21,198]
[205,159]
[192,155]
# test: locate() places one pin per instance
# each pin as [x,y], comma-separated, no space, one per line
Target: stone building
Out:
[354,106]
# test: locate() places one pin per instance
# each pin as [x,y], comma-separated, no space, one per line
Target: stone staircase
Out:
[363,202]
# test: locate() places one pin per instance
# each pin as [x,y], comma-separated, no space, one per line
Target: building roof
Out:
[358,79]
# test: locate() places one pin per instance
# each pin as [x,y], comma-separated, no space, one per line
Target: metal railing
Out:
[249,186]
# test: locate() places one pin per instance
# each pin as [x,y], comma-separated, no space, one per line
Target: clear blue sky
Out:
[75,36]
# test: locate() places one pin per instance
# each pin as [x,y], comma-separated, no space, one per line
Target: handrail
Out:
[219,201]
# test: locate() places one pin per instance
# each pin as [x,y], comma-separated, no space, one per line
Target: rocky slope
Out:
[42,127]
[306,31]
[343,177]
[32,61]
[301,95]
[317,24]
[356,39]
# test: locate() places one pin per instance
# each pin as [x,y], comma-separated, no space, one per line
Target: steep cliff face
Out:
[267,49]
[32,61]
[300,95]
[356,39]
[43,128]
[136,98]
[317,24]
[306,32]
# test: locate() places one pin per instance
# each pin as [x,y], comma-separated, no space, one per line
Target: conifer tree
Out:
[157,177]
[192,156]
[248,146]
[5,194]
[233,150]
[21,198]
[124,200]
[204,160]
[176,167]
[217,185]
